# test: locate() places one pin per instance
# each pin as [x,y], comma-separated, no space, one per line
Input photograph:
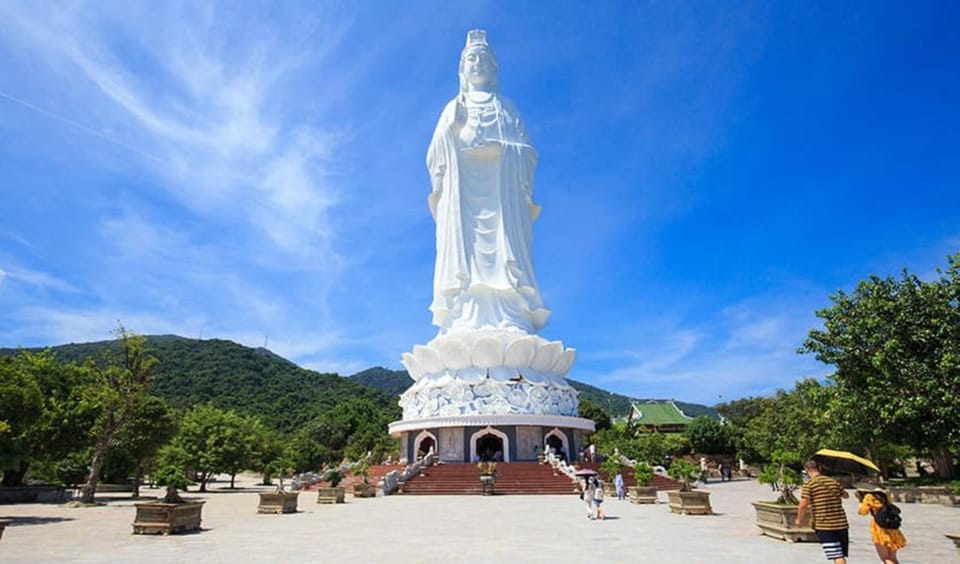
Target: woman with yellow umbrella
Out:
[884,531]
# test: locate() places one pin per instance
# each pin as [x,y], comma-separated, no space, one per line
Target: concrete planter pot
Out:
[777,520]
[331,495]
[364,490]
[956,541]
[924,494]
[694,502]
[278,502]
[159,517]
[642,494]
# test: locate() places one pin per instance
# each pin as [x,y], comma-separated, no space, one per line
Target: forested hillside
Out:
[250,381]
[393,382]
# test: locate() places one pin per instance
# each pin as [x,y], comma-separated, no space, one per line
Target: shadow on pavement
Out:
[21,521]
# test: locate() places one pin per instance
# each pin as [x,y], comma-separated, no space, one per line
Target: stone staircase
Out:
[516,478]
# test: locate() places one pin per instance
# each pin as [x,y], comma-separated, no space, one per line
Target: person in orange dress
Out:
[886,541]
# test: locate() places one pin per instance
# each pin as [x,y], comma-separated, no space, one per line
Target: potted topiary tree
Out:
[686,500]
[643,492]
[777,518]
[364,488]
[610,467]
[333,493]
[171,514]
[278,501]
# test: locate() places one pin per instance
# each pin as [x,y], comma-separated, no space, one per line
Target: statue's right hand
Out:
[468,134]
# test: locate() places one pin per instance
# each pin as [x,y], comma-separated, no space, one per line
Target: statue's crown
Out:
[476,37]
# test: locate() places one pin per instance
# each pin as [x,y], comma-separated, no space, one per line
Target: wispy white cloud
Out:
[208,102]
[212,108]
[748,347]
[36,278]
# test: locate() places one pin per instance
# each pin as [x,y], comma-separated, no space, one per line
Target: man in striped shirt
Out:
[824,496]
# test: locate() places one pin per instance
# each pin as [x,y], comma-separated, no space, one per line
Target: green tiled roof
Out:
[660,413]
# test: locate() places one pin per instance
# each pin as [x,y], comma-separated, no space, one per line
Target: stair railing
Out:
[561,465]
[393,480]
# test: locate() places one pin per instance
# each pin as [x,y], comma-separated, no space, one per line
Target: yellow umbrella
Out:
[841,461]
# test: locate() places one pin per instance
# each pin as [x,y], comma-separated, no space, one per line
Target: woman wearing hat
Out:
[887,541]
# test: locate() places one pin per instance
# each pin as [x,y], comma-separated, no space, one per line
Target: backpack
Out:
[888,516]
[598,493]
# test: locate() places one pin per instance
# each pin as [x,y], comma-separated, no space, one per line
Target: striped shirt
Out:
[823,495]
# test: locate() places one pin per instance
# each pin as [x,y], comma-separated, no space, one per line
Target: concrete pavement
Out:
[449,529]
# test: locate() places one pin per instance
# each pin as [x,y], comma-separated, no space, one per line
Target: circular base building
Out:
[489,394]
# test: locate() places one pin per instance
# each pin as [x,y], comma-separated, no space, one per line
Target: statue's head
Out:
[478,64]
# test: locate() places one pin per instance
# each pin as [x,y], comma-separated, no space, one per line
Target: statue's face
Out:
[478,67]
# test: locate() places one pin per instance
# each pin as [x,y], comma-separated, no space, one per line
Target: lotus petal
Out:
[413,367]
[520,353]
[503,373]
[443,379]
[429,360]
[534,376]
[472,374]
[487,352]
[564,362]
[546,356]
[453,353]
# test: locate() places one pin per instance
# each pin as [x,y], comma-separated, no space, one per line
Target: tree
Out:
[119,388]
[153,424]
[794,421]
[895,344]
[590,410]
[237,444]
[737,414]
[708,435]
[52,441]
[268,456]
[21,405]
[202,440]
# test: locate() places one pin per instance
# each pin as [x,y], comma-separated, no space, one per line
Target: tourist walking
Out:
[618,484]
[587,495]
[598,498]
[823,496]
[884,523]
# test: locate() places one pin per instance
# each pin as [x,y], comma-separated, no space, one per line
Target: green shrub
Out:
[643,473]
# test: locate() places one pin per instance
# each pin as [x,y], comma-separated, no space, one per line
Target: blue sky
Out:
[710,172]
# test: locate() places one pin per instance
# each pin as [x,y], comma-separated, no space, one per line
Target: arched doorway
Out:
[424,442]
[558,442]
[490,447]
[490,444]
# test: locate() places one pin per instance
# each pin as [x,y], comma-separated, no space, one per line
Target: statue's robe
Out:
[482,201]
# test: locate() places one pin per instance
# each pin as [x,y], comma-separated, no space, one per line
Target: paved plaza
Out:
[448,529]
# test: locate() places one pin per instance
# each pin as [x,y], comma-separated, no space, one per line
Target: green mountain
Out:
[232,376]
[395,382]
